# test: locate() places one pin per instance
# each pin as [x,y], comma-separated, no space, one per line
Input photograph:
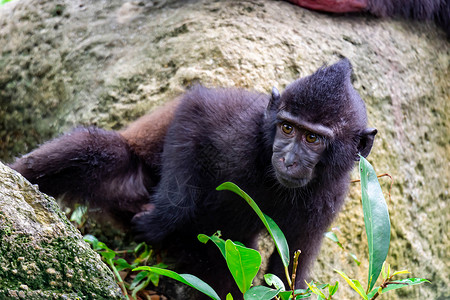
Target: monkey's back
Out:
[216,130]
[216,136]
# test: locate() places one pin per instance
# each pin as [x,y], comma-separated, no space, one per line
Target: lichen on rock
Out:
[57,71]
[42,256]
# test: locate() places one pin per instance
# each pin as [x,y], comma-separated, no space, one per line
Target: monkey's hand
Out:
[149,227]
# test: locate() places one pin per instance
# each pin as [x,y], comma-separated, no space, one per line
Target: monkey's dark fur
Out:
[437,10]
[423,10]
[292,153]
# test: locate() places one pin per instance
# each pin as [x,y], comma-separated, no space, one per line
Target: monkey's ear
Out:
[366,141]
[274,102]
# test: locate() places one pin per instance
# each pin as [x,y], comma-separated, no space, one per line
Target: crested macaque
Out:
[292,153]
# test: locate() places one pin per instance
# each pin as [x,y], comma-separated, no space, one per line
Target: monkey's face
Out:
[297,148]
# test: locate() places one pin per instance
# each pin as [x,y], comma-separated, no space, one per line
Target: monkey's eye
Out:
[287,128]
[311,137]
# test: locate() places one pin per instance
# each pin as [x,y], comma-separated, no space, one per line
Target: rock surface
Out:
[42,256]
[66,63]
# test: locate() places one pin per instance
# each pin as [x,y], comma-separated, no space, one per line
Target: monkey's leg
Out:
[308,244]
[92,165]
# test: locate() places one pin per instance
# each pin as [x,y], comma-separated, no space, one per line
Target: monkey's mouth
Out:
[291,182]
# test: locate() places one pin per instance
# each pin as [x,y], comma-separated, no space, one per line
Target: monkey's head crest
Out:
[326,97]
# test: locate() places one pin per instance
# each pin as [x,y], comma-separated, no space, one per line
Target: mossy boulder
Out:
[42,256]
[64,64]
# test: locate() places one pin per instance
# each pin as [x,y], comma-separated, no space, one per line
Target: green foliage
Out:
[244,262]
[333,237]
[79,215]
[378,227]
[273,229]
[143,254]
[376,219]
[354,284]
[275,281]
[187,279]
[215,238]
[4,1]
[317,289]
[260,292]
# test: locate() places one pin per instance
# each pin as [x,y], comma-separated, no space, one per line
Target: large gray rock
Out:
[64,63]
[42,256]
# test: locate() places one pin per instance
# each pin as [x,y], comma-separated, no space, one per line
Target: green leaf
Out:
[322,285]
[397,284]
[108,254]
[376,219]
[139,277]
[187,279]
[285,295]
[122,264]
[315,289]
[243,263]
[229,297]
[4,1]
[78,213]
[140,246]
[88,238]
[215,238]
[102,246]
[355,259]
[373,292]
[354,284]
[274,231]
[154,278]
[401,272]
[140,287]
[274,280]
[332,289]
[333,237]
[301,294]
[260,293]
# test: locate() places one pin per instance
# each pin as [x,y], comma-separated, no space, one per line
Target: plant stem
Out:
[286,271]
[119,279]
[294,267]
[378,176]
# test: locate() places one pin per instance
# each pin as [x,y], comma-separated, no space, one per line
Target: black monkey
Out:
[292,153]
[437,10]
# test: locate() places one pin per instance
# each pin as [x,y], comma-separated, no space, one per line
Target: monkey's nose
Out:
[289,162]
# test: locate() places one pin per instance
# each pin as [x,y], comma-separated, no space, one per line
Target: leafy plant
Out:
[4,1]
[244,262]
[79,215]
[333,237]
[378,228]
[143,254]
[108,255]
